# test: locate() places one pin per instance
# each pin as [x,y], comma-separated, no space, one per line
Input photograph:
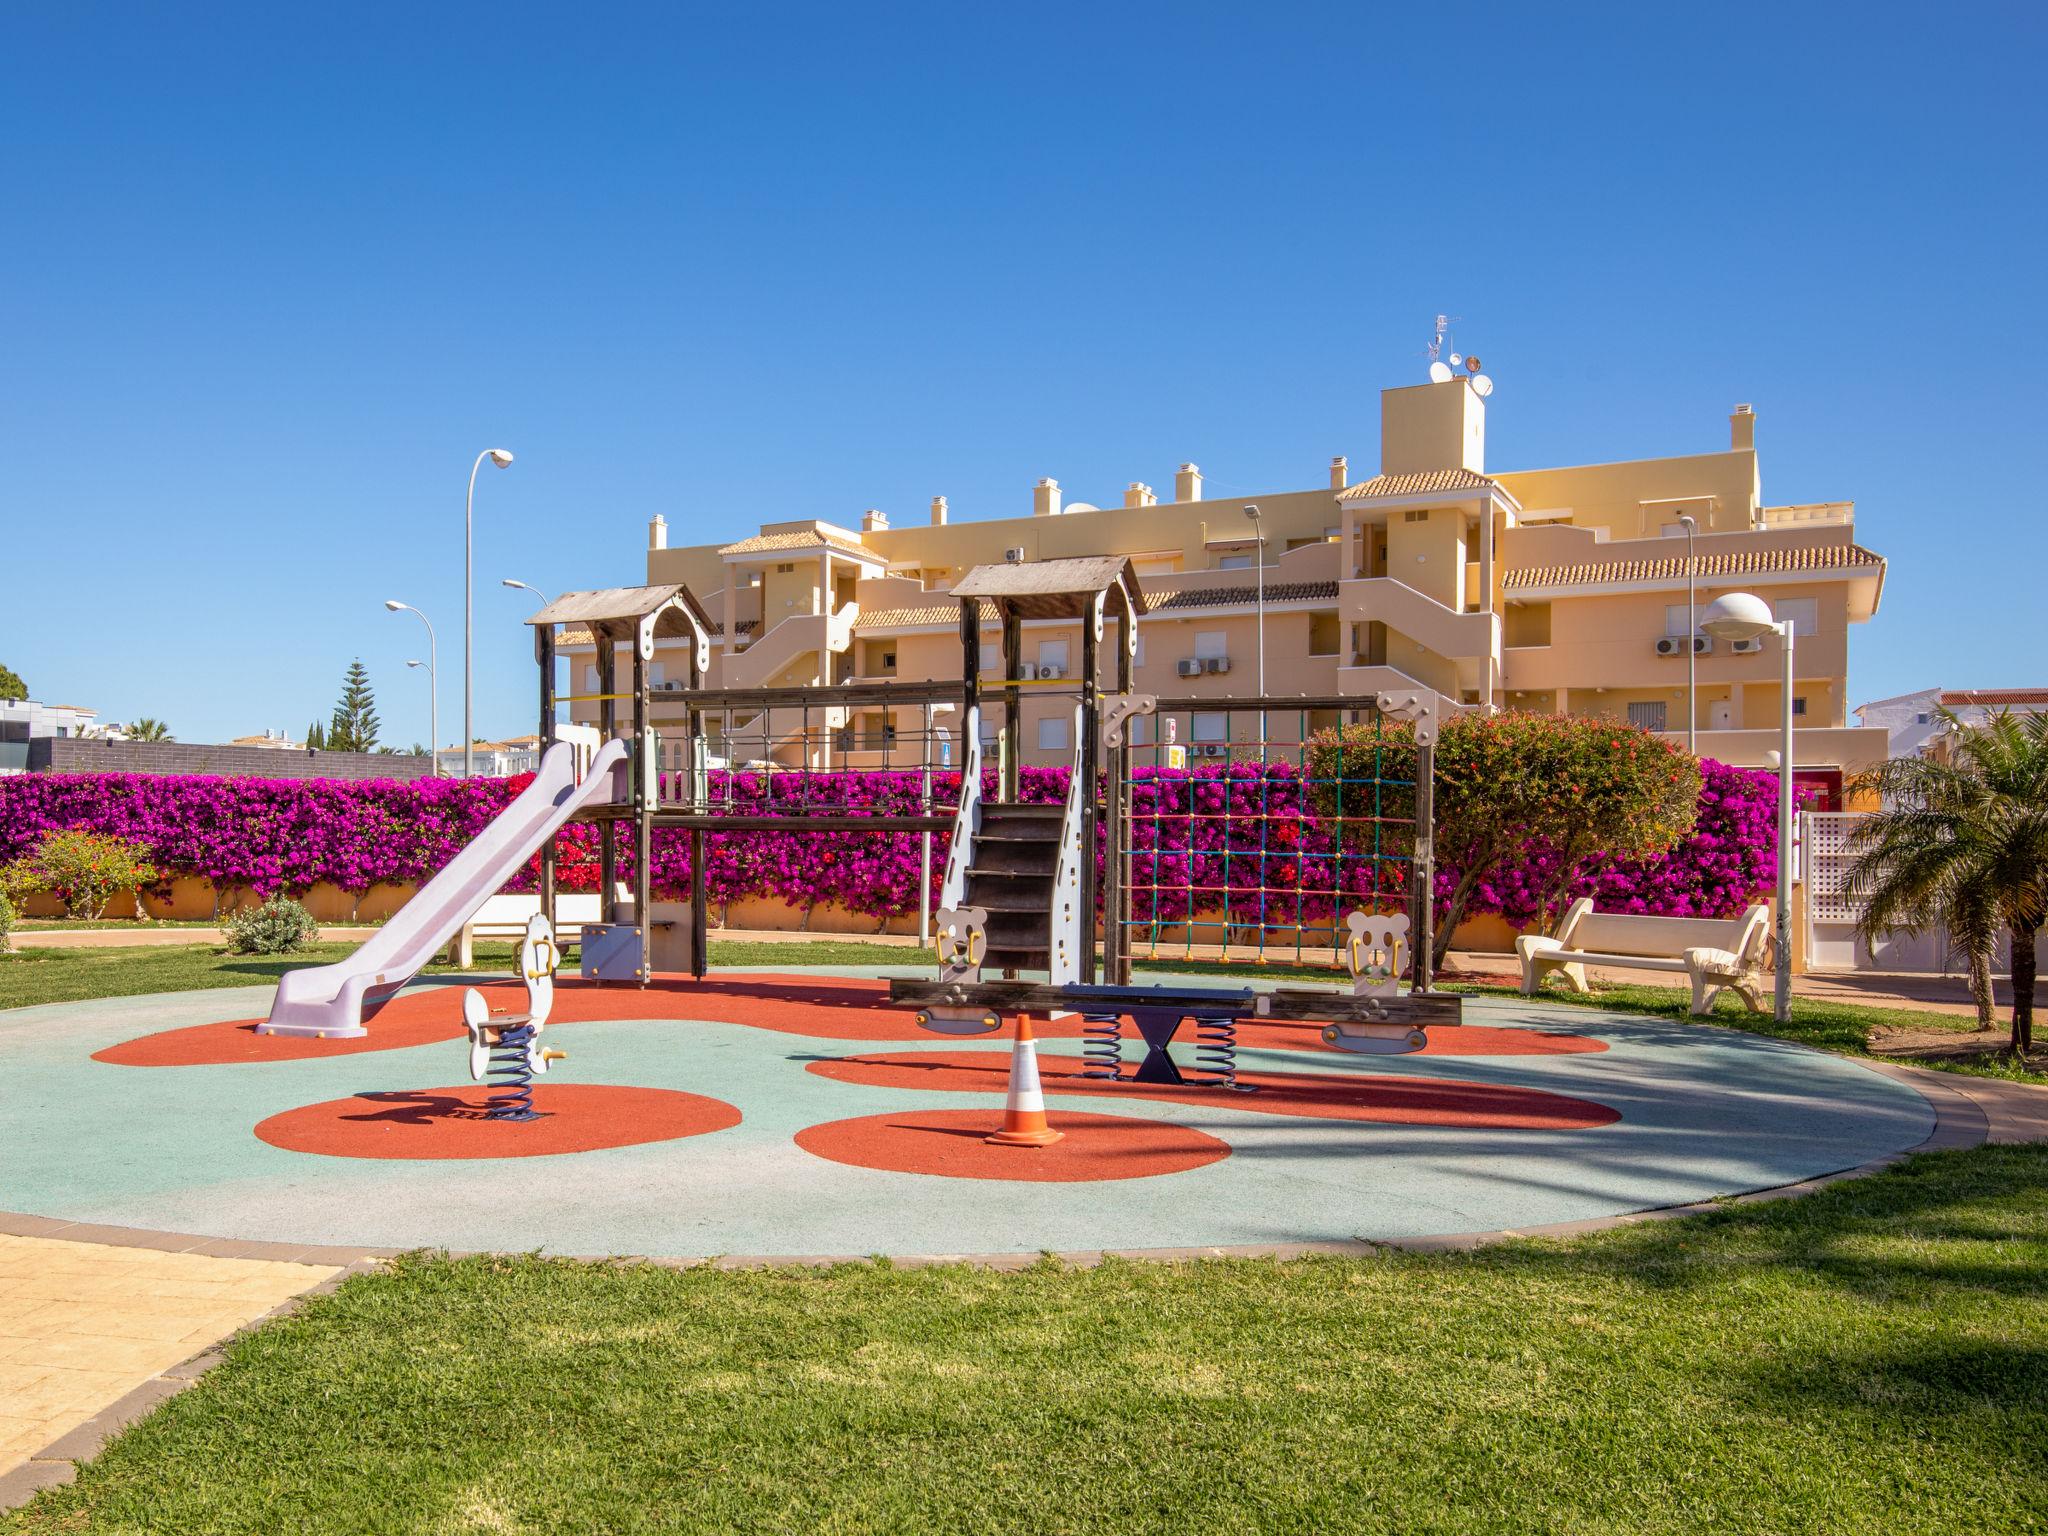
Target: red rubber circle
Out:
[952,1144]
[450,1123]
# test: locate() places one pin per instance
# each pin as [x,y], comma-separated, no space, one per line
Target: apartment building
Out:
[1914,723]
[1550,590]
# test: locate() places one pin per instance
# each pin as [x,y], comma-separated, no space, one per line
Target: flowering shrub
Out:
[82,868]
[6,923]
[280,926]
[1264,840]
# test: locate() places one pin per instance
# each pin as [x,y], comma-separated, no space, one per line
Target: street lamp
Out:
[1259,528]
[1744,616]
[433,680]
[1692,659]
[500,457]
[522,586]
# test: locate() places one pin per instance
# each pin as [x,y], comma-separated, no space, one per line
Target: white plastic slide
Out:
[331,1001]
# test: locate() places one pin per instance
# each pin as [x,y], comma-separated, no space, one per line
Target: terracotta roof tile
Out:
[1994,697]
[1832,557]
[809,538]
[1419,485]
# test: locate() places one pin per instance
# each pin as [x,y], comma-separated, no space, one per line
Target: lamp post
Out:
[1692,660]
[1259,528]
[522,586]
[1744,616]
[433,681]
[500,457]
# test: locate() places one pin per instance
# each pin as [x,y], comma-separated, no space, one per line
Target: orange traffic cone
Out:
[1024,1115]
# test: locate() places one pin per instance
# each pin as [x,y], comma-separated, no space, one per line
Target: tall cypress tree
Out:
[354,726]
[316,736]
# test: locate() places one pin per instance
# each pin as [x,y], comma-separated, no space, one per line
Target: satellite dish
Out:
[1440,373]
[1482,386]
[1455,359]
[1471,364]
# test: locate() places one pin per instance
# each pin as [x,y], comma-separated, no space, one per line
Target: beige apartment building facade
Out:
[1557,591]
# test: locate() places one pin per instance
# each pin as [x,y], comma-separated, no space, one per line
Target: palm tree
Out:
[147,729]
[1962,841]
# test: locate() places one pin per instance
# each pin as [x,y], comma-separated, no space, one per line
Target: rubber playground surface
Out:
[795,1113]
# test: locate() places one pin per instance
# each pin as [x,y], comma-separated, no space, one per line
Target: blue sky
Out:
[272,276]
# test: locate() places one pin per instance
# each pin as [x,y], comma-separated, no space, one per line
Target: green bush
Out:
[279,927]
[84,870]
[6,923]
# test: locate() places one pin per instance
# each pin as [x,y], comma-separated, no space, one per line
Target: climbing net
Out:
[1250,832]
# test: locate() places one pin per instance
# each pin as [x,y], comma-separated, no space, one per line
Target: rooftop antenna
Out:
[1439,372]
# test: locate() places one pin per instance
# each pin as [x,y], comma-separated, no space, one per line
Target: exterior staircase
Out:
[1012,870]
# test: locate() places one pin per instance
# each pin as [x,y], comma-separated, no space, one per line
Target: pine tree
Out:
[354,726]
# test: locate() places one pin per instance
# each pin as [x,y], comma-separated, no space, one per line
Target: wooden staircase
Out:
[1010,871]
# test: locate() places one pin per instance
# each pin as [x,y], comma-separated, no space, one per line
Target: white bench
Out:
[505,916]
[1713,952]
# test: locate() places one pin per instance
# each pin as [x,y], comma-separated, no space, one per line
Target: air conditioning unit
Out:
[1671,645]
[1014,554]
[1212,749]
[1027,670]
[1703,645]
[1215,663]
[1189,667]
[1055,673]
[1746,647]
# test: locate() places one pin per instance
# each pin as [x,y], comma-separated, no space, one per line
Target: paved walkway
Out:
[93,1335]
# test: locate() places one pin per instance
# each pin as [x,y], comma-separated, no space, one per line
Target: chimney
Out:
[1742,428]
[657,532]
[1045,498]
[873,521]
[1140,495]
[1340,472]
[938,511]
[1187,484]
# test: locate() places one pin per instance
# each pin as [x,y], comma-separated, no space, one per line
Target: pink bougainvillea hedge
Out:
[1197,834]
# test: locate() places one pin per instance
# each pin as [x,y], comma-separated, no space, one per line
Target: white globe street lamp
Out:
[1745,616]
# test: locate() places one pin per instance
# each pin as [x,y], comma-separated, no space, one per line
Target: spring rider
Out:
[506,1052]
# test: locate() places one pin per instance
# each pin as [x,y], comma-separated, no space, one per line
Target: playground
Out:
[799,1114]
[1042,1092]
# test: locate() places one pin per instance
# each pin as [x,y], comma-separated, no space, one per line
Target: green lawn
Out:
[1873,1358]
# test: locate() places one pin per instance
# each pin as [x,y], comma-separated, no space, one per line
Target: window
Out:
[1804,612]
[991,730]
[590,679]
[1649,716]
[991,657]
[1674,618]
[784,569]
[1233,562]
[1053,653]
[1212,645]
[1210,727]
[1922,719]
[1798,705]
[657,673]
[1138,730]
[1052,733]
[1138,659]
[1420,515]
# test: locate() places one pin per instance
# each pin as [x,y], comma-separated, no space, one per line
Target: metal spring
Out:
[1101,1047]
[510,1076]
[1216,1054]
